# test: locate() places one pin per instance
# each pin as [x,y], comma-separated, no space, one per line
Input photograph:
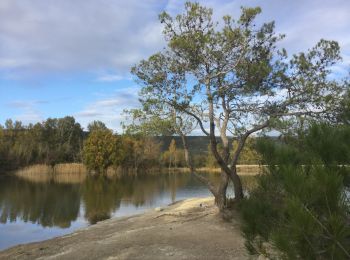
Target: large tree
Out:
[231,79]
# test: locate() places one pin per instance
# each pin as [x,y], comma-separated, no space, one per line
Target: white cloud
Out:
[109,109]
[110,78]
[82,35]
[27,111]
[39,37]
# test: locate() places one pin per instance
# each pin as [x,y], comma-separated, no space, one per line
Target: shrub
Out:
[300,207]
[99,150]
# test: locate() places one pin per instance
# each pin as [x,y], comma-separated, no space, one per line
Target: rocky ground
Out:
[189,229]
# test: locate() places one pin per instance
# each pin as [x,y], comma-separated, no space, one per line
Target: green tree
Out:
[344,108]
[96,125]
[301,205]
[230,77]
[99,150]
[70,135]
[2,148]
[248,155]
[55,140]
[172,153]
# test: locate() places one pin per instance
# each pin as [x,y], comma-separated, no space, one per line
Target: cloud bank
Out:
[41,40]
[49,36]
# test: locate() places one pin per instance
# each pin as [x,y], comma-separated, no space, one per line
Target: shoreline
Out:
[78,171]
[188,229]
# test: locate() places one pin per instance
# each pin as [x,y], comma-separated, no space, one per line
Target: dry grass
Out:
[241,169]
[36,173]
[70,168]
[69,173]
[61,173]
[77,172]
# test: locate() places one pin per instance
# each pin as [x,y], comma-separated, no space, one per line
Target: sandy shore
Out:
[189,229]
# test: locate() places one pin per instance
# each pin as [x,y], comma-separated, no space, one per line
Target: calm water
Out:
[34,211]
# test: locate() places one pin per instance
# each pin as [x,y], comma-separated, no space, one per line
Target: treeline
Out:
[50,142]
[63,140]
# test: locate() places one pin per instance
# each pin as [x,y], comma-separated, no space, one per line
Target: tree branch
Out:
[243,139]
[191,114]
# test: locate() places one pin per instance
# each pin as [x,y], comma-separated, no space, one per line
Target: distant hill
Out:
[196,144]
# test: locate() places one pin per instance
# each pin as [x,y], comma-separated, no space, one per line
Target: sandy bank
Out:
[190,229]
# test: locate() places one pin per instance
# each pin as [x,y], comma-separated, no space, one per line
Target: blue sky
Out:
[69,57]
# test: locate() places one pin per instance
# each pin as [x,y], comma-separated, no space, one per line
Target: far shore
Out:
[79,168]
[189,229]
[77,172]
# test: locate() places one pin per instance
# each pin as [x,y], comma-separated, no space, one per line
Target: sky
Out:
[67,57]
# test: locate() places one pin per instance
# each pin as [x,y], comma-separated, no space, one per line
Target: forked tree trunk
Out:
[220,196]
[220,192]
[190,165]
[237,183]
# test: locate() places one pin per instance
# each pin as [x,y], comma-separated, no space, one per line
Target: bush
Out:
[99,150]
[300,207]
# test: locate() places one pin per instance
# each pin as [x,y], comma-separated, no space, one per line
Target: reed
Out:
[36,173]
[70,168]
[242,169]
[77,172]
[61,173]
[69,173]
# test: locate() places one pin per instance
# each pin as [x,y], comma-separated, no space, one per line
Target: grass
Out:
[243,169]
[36,173]
[69,173]
[77,172]
[61,173]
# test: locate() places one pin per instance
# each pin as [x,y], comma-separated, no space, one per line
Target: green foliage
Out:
[50,142]
[60,140]
[100,150]
[232,76]
[96,125]
[344,108]
[147,125]
[172,153]
[248,155]
[301,203]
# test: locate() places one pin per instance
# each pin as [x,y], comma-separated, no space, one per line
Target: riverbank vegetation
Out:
[58,147]
[230,77]
[300,206]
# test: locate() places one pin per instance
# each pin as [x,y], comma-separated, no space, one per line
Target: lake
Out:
[38,210]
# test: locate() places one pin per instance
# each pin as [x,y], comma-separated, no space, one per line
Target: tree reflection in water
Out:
[55,204]
[48,204]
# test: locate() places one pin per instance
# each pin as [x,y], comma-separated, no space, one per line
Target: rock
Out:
[158,209]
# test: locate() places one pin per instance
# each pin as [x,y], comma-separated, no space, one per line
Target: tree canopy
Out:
[231,78]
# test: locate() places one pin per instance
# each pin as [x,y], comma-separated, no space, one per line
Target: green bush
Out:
[300,208]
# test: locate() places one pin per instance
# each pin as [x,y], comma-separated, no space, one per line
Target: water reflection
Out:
[53,207]
[47,204]
[58,204]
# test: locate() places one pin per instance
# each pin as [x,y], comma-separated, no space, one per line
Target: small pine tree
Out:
[301,203]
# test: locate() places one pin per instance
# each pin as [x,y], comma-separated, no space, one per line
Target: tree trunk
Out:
[220,196]
[237,184]
[189,163]
[223,162]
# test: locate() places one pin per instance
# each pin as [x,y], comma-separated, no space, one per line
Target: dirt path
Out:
[190,229]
